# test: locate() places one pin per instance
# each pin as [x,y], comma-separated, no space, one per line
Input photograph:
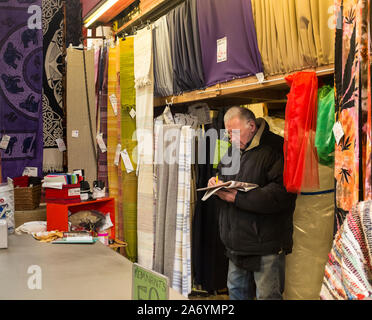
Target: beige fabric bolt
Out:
[80,151]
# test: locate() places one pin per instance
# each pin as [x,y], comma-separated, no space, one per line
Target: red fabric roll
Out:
[300,155]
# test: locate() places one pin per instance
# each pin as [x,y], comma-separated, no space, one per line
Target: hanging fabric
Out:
[300,157]
[166,170]
[324,138]
[351,106]
[182,259]
[209,263]
[144,84]
[294,35]
[128,143]
[81,113]
[185,47]
[163,67]
[54,67]
[21,75]
[229,50]
[348,270]
[102,170]
[112,138]
[73,22]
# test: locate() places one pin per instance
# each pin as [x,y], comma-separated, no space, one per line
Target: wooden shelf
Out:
[243,89]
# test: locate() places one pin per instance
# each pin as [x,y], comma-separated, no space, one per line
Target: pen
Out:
[216,178]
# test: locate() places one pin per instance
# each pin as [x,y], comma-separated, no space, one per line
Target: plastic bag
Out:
[324,138]
[7,204]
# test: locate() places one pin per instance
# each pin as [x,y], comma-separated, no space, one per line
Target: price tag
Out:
[222,50]
[117,155]
[126,160]
[101,143]
[4,142]
[74,192]
[168,117]
[338,132]
[132,113]
[30,171]
[75,133]
[260,77]
[61,145]
[148,285]
[114,103]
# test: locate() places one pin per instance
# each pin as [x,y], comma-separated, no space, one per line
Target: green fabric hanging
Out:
[324,138]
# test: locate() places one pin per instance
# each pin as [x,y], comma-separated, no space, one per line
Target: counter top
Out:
[68,271]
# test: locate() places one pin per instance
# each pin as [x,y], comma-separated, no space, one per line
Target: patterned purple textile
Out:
[232,19]
[21,71]
[102,104]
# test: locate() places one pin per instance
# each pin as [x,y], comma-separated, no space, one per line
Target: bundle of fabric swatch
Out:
[348,273]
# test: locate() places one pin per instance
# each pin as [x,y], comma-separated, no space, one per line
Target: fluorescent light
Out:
[100,11]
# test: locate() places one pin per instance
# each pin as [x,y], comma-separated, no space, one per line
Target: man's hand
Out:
[228,195]
[212,182]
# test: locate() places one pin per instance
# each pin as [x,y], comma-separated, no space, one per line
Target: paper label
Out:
[4,142]
[117,155]
[101,143]
[168,117]
[260,77]
[114,103]
[75,133]
[30,171]
[126,160]
[61,145]
[338,131]
[132,113]
[222,50]
[74,192]
[201,112]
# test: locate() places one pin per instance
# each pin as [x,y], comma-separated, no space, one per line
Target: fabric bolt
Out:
[73,23]
[53,114]
[129,181]
[185,47]
[347,274]
[182,259]
[102,172]
[293,35]
[82,150]
[300,157]
[324,137]
[351,105]
[112,138]
[163,67]
[21,71]
[209,263]
[242,56]
[144,83]
[166,169]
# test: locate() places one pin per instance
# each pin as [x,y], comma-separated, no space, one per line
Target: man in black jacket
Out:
[256,227]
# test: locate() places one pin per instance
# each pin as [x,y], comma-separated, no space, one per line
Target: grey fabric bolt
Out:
[165,238]
[163,67]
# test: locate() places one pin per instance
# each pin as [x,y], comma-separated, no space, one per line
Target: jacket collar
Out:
[257,138]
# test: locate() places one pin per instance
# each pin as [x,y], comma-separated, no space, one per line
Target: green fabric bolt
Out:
[324,138]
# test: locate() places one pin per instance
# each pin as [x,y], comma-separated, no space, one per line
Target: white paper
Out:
[126,160]
[74,192]
[132,113]
[30,171]
[117,155]
[222,50]
[61,145]
[4,142]
[114,103]
[75,133]
[338,132]
[260,77]
[101,143]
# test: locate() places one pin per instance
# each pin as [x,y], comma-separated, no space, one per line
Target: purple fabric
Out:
[21,70]
[232,19]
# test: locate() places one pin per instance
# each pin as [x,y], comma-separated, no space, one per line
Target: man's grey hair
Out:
[242,113]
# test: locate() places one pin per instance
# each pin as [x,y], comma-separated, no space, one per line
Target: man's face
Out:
[247,131]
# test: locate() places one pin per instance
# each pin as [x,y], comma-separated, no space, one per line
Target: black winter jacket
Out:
[260,222]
